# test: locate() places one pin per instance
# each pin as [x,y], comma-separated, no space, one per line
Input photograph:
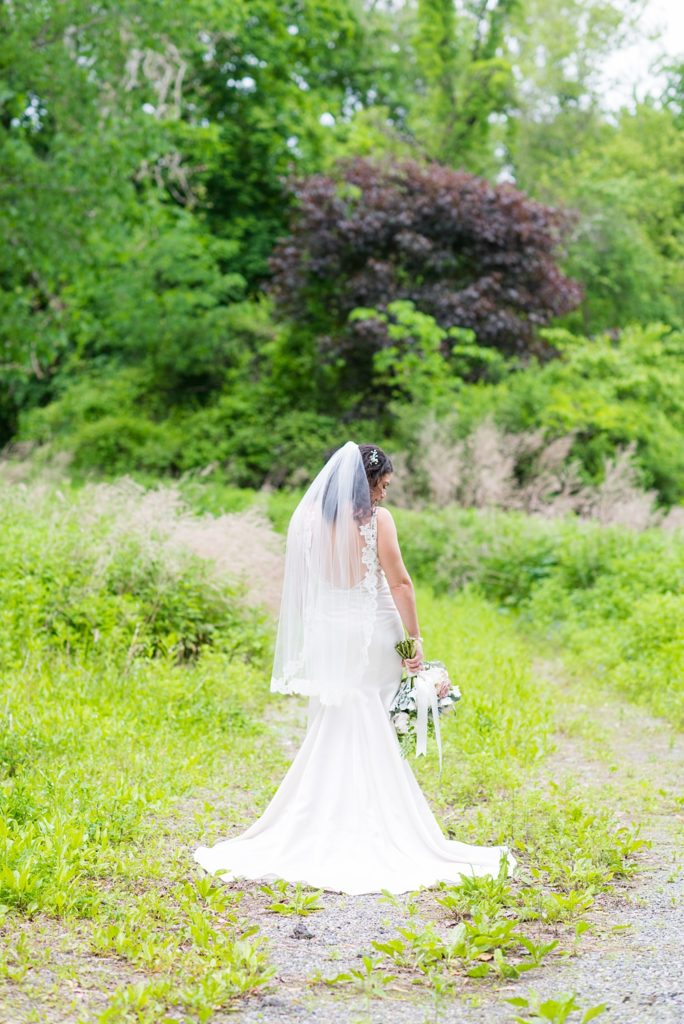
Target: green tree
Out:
[619,171]
[673,94]
[142,152]
[629,245]
[464,78]
[560,49]
[72,135]
[468,253]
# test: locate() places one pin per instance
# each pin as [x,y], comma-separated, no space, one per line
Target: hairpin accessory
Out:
[373,457]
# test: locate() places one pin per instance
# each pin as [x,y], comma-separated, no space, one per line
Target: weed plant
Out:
[292,899]
[555,1011]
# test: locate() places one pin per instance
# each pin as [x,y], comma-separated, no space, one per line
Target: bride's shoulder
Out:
[384,517]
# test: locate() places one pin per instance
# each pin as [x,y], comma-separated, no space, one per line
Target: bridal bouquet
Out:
[429,690]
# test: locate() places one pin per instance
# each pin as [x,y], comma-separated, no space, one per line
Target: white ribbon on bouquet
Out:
[426,697]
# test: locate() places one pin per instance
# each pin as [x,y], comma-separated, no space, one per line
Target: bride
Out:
[349,815]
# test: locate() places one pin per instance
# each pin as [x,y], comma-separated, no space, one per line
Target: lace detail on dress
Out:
[369,582]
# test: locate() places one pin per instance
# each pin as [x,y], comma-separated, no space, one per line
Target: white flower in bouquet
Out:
[401,723]
[434,672]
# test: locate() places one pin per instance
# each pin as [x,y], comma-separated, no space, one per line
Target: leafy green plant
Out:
[17,959]
[554,1011]
[535,904]
[422,947]
[475,948]
[369,980]
[537,951]
[141,1002]
[292,899]
[485,894]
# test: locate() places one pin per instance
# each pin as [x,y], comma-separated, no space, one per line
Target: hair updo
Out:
[375,462]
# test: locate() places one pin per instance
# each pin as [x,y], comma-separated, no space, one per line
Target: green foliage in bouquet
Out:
[406,648]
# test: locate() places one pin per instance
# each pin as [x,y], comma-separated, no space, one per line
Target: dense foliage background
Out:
[235,234]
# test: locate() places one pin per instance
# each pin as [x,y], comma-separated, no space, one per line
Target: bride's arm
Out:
[400,583]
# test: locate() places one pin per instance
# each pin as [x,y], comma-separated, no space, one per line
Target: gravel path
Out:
[632,959]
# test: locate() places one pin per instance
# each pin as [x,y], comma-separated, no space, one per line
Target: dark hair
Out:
[375,467]
[375,462]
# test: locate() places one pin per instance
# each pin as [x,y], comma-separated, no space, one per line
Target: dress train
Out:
[349,815]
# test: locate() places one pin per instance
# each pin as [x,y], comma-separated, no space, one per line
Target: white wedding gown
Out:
[349,815]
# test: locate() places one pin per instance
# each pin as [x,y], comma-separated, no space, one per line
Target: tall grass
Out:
[611,598]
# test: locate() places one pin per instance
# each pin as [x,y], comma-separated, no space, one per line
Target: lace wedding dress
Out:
[349,815]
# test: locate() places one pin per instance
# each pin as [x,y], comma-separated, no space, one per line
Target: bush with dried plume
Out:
[525,472]
[239,547]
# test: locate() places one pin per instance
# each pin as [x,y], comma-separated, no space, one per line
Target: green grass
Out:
[132,729]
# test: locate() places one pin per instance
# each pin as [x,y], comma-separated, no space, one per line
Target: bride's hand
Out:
[415,664]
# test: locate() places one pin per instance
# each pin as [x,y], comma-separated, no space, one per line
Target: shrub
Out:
[119,444]
[255,444]
[469,253]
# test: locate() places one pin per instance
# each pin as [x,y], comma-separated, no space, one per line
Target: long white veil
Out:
[328,607]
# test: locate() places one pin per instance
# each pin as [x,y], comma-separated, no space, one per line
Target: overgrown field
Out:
[133,727]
